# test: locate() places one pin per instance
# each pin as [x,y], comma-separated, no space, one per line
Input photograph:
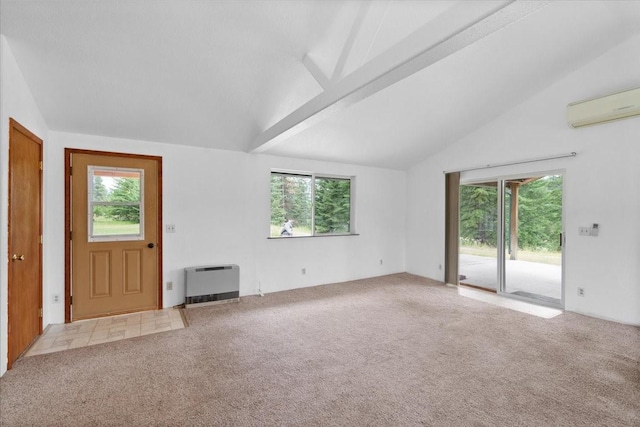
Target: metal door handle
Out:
[151,245]
[17,258]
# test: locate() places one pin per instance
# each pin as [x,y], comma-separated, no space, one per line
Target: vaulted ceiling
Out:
[383,83]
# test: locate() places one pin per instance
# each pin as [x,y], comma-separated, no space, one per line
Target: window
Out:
[115,208]
[310,205]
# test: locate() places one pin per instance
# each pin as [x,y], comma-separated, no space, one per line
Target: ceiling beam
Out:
[316,72]
[348,45]
[367,35]
[347,50]
[392,66]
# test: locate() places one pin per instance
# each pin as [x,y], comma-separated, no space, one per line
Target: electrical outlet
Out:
[169,286]
[304,271]
[171,228]
[381,262]
[56,298]
[584,231]
[580,292]
[439,266]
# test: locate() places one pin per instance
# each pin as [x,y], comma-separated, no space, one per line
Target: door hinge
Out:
[70,299]
[41,239]
[70,170]
[41,312]
[41,165]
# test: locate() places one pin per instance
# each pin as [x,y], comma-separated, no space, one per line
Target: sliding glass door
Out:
[533,260]
[479,231]
[511,237]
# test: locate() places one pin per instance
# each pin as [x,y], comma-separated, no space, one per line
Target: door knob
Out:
[151,245]
[17,258]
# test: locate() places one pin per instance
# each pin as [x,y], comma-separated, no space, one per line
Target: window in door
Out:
[115,210]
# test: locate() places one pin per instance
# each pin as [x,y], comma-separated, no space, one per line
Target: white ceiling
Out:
[311,79]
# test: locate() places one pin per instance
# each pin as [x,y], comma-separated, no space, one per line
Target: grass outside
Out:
[108,227]
[297,231]
[554,258]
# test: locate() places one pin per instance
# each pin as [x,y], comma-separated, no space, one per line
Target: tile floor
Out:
[84,333]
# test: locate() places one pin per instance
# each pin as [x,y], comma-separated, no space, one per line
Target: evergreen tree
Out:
[100,194]
[291,199]
[333,205]
[299,201]
[479,214]
[540,214]
[126,190]
[277,200]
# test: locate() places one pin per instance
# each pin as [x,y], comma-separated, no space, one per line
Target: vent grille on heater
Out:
[211,297]
[212,284]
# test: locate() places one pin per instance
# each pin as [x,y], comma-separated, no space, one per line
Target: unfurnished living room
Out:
[323,213]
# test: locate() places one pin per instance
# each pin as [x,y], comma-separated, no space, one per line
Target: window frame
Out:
[313,176]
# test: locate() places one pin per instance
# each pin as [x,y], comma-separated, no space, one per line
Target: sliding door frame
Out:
[502,274]
[501,244]
[452,228]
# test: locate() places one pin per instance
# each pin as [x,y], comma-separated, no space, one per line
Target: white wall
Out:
[380,202]
[203,195]
[219,203]
[16,102]
[219,200]
[599,185]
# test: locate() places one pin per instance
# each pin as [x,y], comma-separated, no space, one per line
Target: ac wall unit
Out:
[604,109]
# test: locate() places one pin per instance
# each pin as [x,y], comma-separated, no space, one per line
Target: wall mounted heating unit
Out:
[604,109]
[211,284]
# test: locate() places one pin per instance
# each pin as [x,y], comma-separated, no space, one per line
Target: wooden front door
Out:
[115,203]
[25,244]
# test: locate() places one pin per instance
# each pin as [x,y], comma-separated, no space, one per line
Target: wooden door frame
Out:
[14,126]
[68,152]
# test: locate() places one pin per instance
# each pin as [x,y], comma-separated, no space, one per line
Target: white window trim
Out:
[313,176]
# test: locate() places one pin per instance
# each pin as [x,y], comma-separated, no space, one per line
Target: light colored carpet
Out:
[389,351]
